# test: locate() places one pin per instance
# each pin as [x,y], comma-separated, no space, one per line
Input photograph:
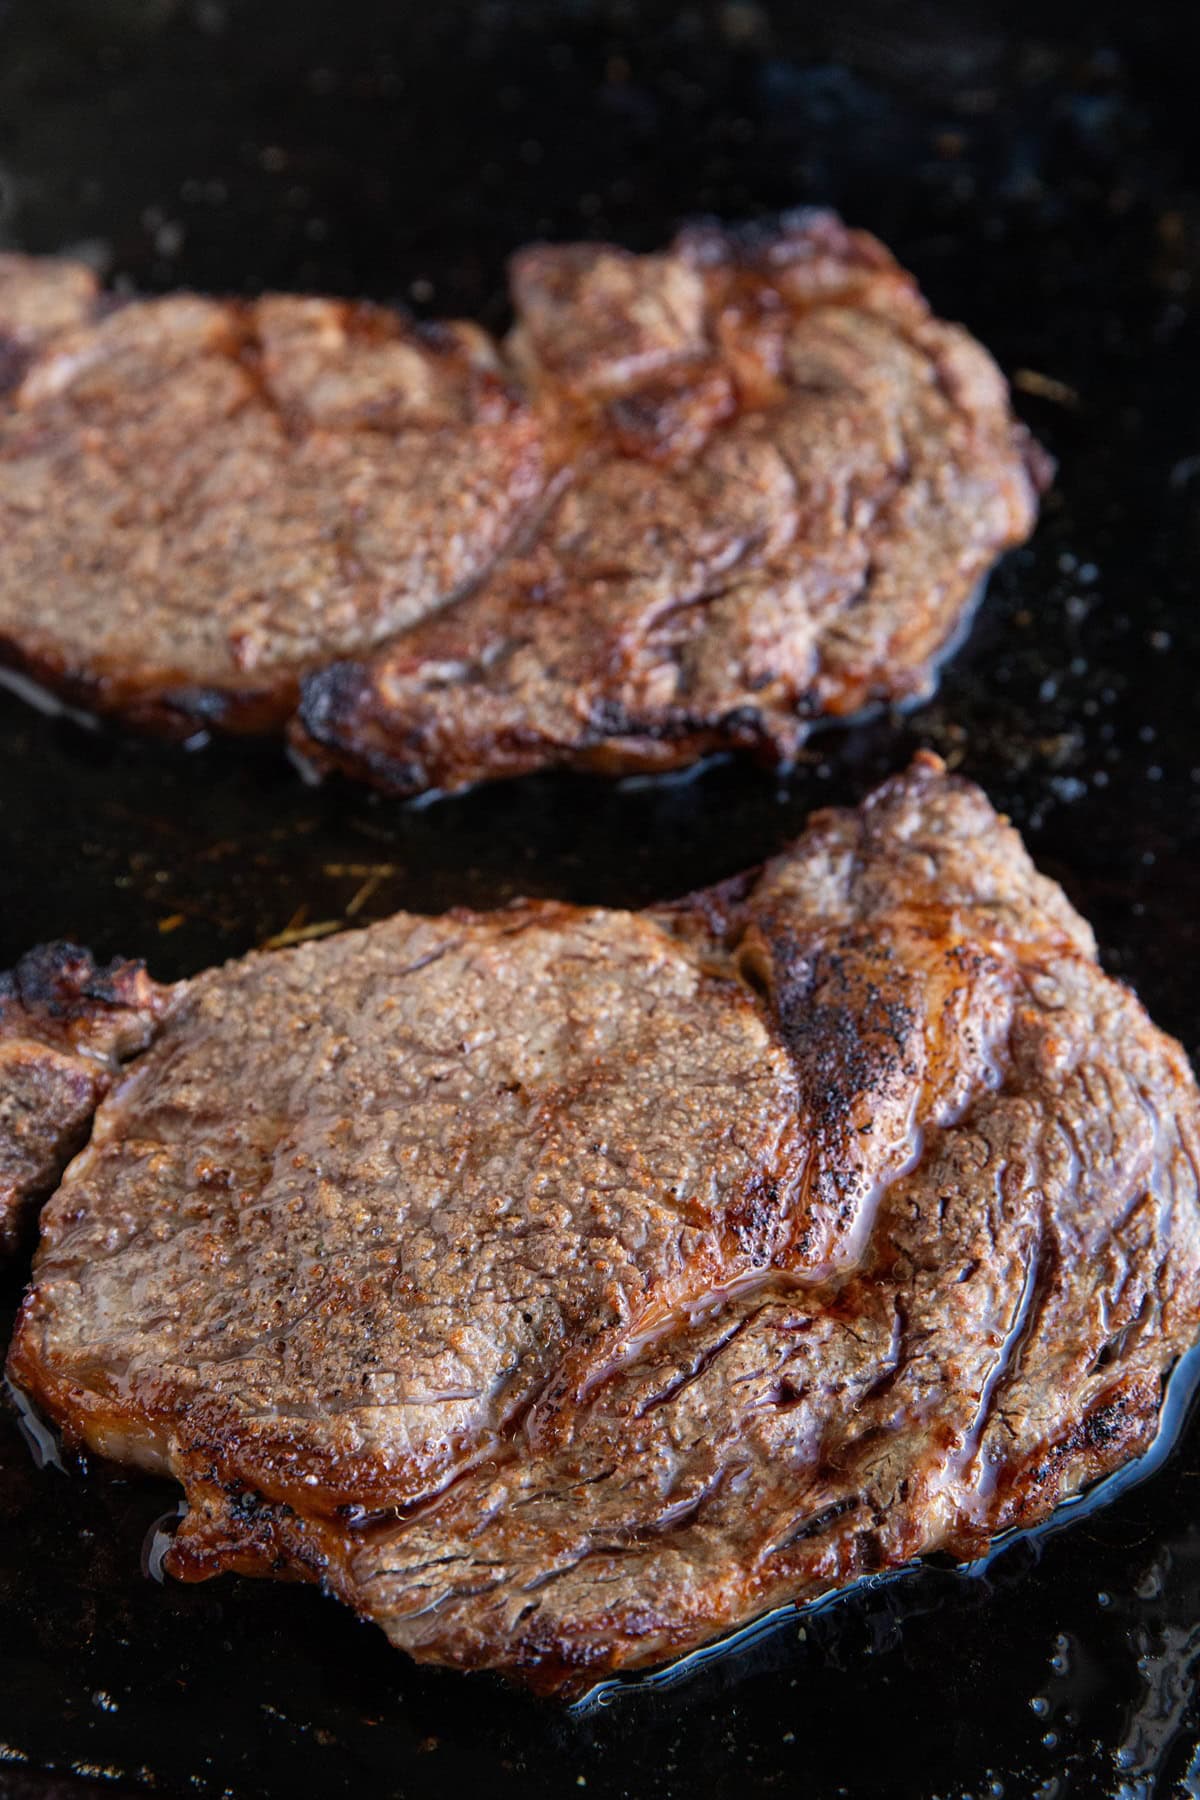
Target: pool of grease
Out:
[1037,166]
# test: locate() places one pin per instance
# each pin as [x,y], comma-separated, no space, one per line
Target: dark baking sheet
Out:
[1037,166]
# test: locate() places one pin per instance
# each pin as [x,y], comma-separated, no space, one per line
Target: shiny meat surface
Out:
[563,1287]
[695,500]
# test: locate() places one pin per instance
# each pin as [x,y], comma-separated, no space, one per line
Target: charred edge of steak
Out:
[174,713]
[339,729]
[331,731]
[60,981]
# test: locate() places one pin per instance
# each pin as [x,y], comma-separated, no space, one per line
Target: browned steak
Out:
[780,483]
[200,500]
[563,1287]
[66,1028]
[696,500]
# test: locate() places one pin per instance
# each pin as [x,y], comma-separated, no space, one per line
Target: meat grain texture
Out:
[694,501]
[564,1287]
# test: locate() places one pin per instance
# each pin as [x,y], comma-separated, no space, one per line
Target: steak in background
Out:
[563,1287]
[202,499]
[695,501]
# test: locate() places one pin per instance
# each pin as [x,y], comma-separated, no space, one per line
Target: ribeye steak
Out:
[694,501]
[563,1287]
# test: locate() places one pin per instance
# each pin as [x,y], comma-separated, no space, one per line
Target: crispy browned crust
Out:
[776,486]
[564,1288]
[696,500]
[211,498]
[66,1028]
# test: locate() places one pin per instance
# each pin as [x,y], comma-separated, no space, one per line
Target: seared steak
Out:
[66,1027]
[563,1287]
[200,499]
[695,501]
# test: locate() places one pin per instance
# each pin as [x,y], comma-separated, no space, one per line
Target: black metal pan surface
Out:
[1037,166]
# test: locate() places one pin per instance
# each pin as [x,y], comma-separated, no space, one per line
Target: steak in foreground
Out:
[564,1287]
[693,502]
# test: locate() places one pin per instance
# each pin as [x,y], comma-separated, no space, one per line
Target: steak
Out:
[694,501]
[66,1028]
[201,499]
[563,1287]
